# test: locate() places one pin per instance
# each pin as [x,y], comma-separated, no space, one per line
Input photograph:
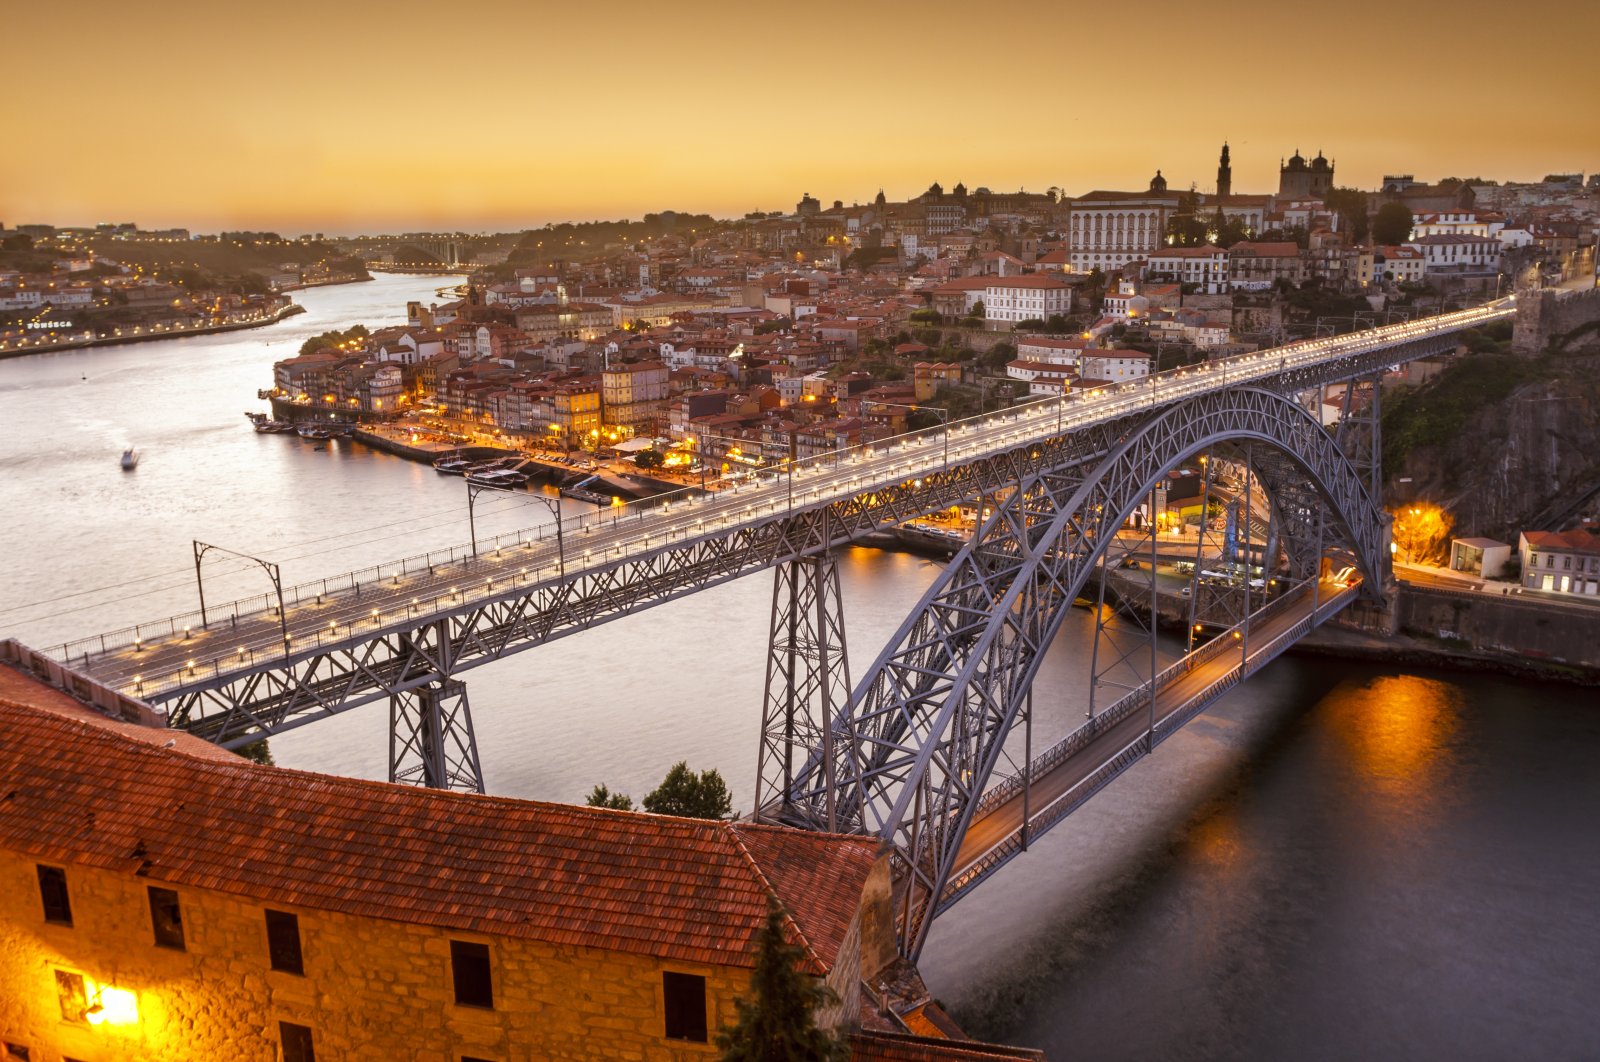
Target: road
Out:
[246,636]
[1069,778]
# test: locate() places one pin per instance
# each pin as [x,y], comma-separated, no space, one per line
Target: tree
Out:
[257,752]
[648,459]
[1392,225]
[778,1022]
[1351,206]
[682,792]
[601,797]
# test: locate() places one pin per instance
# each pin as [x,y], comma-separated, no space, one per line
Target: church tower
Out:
[1224,174]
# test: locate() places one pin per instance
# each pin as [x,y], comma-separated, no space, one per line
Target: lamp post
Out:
[273,573]
[553,504]
[944,421]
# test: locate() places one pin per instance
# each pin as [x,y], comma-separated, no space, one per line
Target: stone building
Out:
[1107,230]
[1299,179]
[161,899]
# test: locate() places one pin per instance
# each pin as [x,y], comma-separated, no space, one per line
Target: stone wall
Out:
[372,989]
[1512,624]
[1569,320]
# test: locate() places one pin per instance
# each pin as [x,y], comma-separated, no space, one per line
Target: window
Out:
[166,918]
[74,1001]
[469,965]
[53,891]
[283,942]
[1566,562]
[685,998]
[1533,560]
[296,1042]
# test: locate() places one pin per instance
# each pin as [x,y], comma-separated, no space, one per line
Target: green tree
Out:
[778,1022]
[1392,225]
[682,792]
[648,459]
[257,752]
[601,797]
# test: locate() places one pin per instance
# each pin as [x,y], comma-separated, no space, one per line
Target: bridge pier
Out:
[431,741]
[808,685]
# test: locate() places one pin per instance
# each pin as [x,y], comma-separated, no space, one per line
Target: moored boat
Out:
[130,459]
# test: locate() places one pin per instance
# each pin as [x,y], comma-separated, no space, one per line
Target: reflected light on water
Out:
[1397,731]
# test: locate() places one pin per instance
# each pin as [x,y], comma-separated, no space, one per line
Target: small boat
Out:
[130,460]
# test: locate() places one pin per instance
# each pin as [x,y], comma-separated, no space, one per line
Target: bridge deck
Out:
[1067,775]
[159,661]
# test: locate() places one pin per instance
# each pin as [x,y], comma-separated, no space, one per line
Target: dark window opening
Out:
[166,918]
[685,996]
[296,1042]
[283,942]
[70,994]
[53,891]
[469,964]
[17,1051]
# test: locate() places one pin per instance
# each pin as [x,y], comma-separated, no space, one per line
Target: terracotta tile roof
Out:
[77,792]
[898,1047]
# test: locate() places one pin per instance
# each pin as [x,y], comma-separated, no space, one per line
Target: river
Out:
[1337,861]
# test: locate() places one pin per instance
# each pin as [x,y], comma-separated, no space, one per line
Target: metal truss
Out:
[808,685]
[237,706]
[329,667]
[928,722]
[431,741]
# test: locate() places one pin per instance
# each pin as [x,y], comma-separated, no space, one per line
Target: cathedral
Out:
[1299,179]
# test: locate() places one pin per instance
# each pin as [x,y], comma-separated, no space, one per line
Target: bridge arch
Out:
[927,723]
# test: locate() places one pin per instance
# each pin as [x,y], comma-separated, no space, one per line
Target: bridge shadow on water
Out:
[1172,885]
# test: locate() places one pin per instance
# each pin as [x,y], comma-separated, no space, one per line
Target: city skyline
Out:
[406,125]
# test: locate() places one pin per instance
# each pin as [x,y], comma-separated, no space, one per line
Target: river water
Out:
[1337,861]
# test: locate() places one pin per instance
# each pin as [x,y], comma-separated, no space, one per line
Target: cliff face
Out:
[1525,459]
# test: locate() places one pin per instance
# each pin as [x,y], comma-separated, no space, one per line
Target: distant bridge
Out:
[916,751]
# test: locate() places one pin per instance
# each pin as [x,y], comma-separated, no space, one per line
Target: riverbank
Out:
[144,336]
[331,282]
[1332,641]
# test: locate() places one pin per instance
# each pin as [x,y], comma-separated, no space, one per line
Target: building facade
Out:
[220,909]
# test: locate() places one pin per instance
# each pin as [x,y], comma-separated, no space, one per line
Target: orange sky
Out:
[343,117]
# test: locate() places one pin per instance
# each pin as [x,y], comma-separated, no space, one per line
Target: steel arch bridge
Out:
[916,751]
[915,747]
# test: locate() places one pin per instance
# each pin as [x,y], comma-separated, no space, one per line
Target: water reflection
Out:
[1397,731]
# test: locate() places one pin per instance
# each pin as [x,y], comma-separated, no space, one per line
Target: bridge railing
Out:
[1066,411]
[1010,788]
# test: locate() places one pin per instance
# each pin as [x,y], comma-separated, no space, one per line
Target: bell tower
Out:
[1224,174]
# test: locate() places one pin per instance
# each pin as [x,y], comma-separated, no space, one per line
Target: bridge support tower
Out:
[431,741]
[808,686]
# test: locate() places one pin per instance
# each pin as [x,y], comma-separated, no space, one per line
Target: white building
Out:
[1564,562]
[1205,267]
[1055,350]
[1458,253]
[1404,265]
[1114,365]
[1107,230]
[1449,223]
[1036,296]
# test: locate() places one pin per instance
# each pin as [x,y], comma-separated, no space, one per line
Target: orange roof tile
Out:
[682,889]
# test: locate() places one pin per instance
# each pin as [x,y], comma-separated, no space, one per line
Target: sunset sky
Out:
[342,117]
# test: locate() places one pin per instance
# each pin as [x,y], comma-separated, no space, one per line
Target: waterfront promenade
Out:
[16,348]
